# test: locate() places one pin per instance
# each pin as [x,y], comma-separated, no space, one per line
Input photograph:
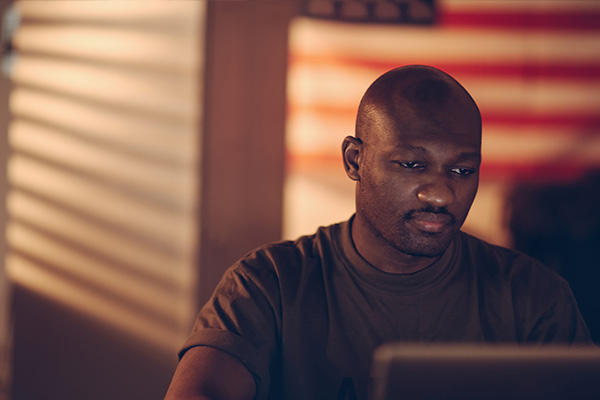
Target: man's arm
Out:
[205,373]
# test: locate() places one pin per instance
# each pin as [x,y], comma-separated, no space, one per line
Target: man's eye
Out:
[463,171]
[411,164]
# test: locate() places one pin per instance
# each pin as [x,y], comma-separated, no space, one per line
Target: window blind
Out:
[103,160]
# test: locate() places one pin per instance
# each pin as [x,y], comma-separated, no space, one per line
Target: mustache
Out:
[432,210]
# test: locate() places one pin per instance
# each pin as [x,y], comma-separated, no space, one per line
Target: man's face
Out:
[417,182]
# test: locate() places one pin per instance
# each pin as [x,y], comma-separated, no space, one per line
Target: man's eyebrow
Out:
[421,149]
[474,155]
[410,147]
[470,156]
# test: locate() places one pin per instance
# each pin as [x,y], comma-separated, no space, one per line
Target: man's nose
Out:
[436,194]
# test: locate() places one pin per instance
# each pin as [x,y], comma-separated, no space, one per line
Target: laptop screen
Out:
[403,371]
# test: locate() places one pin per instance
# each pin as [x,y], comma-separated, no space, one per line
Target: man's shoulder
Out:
[289,253]
[503,261]
[483,248]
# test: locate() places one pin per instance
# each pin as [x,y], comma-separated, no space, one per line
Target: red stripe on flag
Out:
[580,71]
[524,171]
[579,125]
[525,19]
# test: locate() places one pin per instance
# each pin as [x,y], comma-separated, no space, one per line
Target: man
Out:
[300,320]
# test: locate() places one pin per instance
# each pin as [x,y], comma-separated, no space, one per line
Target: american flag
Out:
[533,67]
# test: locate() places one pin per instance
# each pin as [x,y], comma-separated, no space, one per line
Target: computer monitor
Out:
[405,371]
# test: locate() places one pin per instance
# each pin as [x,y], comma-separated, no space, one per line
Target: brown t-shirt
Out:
[305,316]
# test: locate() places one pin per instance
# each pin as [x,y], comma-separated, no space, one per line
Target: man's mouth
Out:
[431,222]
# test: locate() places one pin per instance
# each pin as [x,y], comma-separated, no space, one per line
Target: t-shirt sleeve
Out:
[548,308]
[241,319]
[560,321]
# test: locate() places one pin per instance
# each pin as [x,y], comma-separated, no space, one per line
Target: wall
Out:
[132,136]
[5,317]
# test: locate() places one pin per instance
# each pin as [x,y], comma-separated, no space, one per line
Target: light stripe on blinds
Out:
[104,160]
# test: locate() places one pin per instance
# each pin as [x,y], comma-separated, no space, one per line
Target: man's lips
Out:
[431,222]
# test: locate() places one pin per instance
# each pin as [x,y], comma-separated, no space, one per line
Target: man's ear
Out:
[351,149]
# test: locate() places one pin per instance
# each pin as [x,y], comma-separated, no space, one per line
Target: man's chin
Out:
[424,247]
[422,254]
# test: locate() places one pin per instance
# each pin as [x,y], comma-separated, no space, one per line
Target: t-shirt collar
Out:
[411,283]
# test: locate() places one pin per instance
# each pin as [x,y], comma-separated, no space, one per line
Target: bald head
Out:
[417,93]
[415,160]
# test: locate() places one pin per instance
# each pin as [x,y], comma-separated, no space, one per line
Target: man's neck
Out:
[382,255]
